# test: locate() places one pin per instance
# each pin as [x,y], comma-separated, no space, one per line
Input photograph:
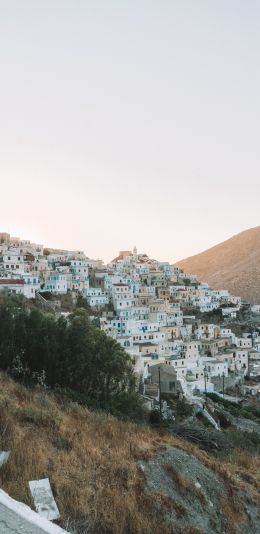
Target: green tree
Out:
[70,353]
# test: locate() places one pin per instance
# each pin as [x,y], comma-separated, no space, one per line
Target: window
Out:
[172,386]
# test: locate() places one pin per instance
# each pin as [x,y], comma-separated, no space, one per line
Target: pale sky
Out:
[129,122]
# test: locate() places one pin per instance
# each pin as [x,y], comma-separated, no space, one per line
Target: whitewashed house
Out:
[56,283]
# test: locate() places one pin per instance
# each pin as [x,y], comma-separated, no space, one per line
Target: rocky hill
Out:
[110,476]
[233,264]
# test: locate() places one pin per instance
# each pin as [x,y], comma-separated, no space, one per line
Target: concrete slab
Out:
[43,498]
[4,455]
[16,517]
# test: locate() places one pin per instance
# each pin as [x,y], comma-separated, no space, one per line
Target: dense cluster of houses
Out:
[152,308]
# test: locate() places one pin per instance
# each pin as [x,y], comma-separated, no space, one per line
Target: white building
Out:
[56,283]
[12,261]
[122,297]
[31,286]
[95,297]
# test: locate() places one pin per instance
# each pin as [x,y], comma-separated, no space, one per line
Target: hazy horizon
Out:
[107,260]
[129,124]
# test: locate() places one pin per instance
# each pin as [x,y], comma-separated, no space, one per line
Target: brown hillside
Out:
[233,264]
[114,477]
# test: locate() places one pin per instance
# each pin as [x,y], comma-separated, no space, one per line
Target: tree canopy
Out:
[69,353]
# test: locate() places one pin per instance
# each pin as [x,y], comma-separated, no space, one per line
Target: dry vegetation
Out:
[181,482]
[92,459]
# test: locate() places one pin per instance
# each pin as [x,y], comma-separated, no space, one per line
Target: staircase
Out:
[45,304]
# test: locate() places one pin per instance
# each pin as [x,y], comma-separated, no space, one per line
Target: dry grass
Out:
[245,466]
[89,457]
[181,483]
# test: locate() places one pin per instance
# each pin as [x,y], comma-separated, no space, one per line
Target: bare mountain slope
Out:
[233,264]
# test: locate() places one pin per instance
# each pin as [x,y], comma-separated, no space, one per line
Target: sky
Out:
[129,123]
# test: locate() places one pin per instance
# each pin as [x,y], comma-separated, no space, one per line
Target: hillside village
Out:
[154,310]
[184,457]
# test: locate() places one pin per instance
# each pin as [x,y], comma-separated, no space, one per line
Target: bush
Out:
[180,407]
[249,441]
[248,412]
[223,421]
[154,417]
[183,409]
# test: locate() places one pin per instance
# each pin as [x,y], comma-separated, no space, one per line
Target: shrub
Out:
[183,409]
[223,421]
[154,417]
[249,441]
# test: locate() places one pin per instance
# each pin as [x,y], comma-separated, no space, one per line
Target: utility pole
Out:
[248,354]
[223,378]
[160,398]
[205,381]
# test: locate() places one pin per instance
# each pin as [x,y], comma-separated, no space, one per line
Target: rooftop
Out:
[11,281]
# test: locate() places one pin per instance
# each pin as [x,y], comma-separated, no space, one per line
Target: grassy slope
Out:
[91,460]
